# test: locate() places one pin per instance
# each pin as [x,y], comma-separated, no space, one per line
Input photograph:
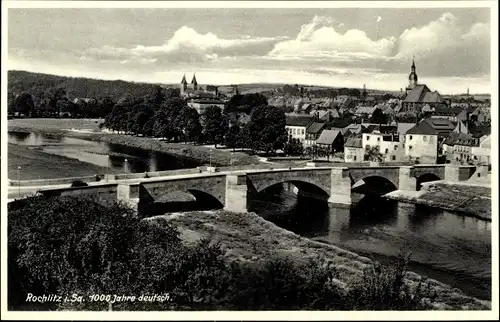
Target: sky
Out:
[341,47]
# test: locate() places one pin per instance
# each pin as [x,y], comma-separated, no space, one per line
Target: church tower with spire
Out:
[194,83]
[412,78]
[183,85]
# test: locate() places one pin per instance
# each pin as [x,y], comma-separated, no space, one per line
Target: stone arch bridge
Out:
[233,189]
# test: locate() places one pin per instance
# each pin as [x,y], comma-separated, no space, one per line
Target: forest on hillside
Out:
[37,84]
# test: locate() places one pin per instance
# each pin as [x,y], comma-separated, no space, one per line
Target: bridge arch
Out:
[204,197]
[373,184]
[426,177]
[179,200]
[304,187]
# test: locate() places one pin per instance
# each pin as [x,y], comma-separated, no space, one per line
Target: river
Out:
[38,155]
[445,246]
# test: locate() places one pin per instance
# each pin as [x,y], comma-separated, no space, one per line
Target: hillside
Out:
[36,84]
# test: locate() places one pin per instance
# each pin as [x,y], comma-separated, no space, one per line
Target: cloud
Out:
[445,47]
[320,39]
[188,45]
[439,46]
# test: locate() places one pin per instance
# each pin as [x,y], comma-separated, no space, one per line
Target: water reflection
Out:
[444,245]
[114,157]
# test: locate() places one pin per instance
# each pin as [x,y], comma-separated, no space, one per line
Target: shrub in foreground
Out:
[68,245]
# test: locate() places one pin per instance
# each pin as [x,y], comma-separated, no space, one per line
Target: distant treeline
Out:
[42,95]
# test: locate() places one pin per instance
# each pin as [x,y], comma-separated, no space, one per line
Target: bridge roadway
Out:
[233,188]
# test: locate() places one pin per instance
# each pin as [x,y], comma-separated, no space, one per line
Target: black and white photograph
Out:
[239,157]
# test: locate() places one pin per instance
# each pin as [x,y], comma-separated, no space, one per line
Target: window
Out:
[430,139]
[410,147]
[303,131]
[411,137]
[393,158]
[386,150]
[425,138]
[354,158]
[378,139]
[395,147]
[367,138]
[367,146]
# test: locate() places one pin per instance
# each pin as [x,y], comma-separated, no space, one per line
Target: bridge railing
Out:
[54,182]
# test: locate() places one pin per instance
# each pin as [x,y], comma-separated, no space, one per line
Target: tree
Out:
[23,104]
[141,119]
[232,137]
[191,126]
[373,154]
[105,106]
[52,97]
[11,103]
[245,103]
[156,97]
[266,129]
[294,147]
[216,125]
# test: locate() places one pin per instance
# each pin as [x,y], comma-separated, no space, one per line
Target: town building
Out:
[418,95]
[200,105]
[482,152]
[388,145]
[478,115]
[453,114]
[421,143]
[458,147]
[313,132]
[296,126]
[353,150]
[194,90]
[331,140]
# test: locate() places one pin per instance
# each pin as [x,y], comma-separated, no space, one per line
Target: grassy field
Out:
[248,237]
[54,125]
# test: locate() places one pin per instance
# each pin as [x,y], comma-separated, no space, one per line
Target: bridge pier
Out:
[340,188]
[457,173]
[125,195]
[406,180]
[236,193]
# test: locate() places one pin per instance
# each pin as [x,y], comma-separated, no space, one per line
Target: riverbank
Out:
[36,164]
[88,129]
[471,199]
[248,237]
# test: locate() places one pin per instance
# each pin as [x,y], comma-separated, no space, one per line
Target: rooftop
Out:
[315,127]
[354,143]
[327,137]
[299,120]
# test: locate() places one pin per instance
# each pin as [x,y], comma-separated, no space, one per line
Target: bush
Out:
[382,287]
[66,245]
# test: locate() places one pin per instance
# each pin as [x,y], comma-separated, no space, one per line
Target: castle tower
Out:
[364,94]
[183,85]
[194,83]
